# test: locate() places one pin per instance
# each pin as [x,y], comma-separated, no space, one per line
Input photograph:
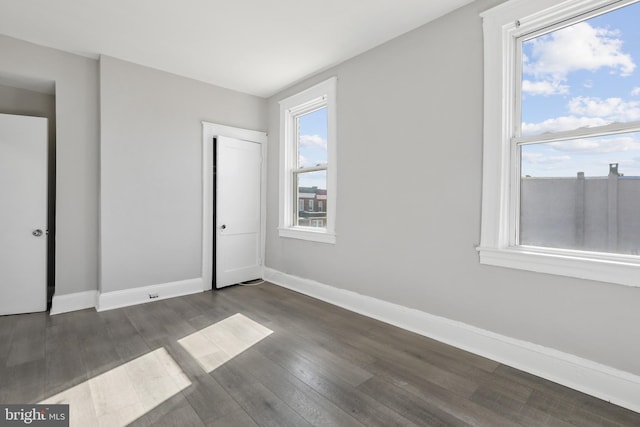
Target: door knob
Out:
[37,232]
[222,227]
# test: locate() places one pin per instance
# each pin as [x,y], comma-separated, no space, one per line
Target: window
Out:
[561,173]
[308,164]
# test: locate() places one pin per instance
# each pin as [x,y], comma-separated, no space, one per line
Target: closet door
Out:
[238,183]
[23,216]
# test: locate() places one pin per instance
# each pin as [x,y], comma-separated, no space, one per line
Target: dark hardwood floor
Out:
[320,366]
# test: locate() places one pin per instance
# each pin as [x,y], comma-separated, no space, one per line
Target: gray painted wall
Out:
[76,102]
[151,170]
[410,141]
[150,125]
[16,100]
[25,102]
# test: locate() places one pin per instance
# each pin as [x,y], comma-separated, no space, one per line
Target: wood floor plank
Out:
[568,404]
[418,345]
[260,403]
[28,343]
[438,398]
[566,410]
[296,321]
[309,313]
[332,364]
[143,320]
[175,325]
[98,350]
[7,329]
[354,402]
[312,406]
[420,411]
[515,410]
[238,418]
[419,369]
[65,366]
[209,399]
[611,412]
[184,307]
[464,374]
[23,383]
[127,342]
[321,365]
[176,411]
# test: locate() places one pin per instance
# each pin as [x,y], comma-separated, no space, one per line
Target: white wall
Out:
[151,170]
[410,150]
[76,87]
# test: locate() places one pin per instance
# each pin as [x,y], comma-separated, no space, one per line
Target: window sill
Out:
[619,269]
[308,234]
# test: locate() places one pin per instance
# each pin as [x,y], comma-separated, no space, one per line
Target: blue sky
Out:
[584,75]
[312,150]
[312,144]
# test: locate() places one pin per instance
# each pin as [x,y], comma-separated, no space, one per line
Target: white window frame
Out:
[321,95]
[503,26]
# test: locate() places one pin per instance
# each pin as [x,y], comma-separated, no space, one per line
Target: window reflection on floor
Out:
[129,391]
[221,342]
[125,393]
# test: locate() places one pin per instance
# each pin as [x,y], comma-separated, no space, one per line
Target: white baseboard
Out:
[72,302]
[604,382]
[127,297]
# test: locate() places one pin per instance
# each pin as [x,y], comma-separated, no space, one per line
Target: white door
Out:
[23,214]
[237,213]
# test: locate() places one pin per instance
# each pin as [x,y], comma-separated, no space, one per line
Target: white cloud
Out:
[312,141]
[543,87]
[559,124]
[538,159]
[597,145]
[531,157]
[577,47]
[635,91]
[587,112]
[612,109]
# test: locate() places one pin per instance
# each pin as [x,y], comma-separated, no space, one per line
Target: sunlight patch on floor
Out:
[125,393]
[222,341]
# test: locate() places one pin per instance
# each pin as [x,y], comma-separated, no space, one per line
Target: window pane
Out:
[312,138]
[582,194]
[312,199]
[583,75]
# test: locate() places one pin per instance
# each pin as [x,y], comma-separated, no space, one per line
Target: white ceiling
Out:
[254,46]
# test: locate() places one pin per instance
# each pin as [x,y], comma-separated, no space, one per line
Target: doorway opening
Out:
[31,97]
